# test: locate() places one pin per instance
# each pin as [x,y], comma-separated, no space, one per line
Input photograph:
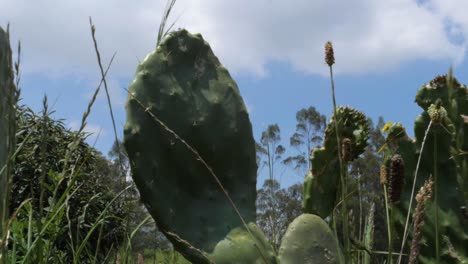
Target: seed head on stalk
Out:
[422,197]
[329,55]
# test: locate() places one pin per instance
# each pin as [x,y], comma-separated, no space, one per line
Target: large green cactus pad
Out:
[184,85]
[450,134]
[309,240]
[322,182]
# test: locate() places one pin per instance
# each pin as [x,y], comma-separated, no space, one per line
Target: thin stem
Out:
[117,142]
[343,183]
[405,232]
[43,156]
[98,243]
[335,231]
[389,230]
[360,238]
[436,198]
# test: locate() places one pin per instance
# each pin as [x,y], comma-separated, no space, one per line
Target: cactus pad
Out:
[309,240]
[444,101]
[184,85]
[321,183]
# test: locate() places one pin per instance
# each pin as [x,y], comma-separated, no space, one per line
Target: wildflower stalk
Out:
[384,182]
[422,197]
[389,230]
[436,201]
[405,232]
[330,60]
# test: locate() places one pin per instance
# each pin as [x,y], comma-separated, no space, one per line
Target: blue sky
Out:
[385,51]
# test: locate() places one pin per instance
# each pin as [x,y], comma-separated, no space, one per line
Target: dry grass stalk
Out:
[383,175]
[422,197]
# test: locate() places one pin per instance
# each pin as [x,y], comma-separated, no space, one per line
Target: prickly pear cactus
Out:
[239,241]
[309,240]
[184,85]
[7,126]
[322,182]
[445,149]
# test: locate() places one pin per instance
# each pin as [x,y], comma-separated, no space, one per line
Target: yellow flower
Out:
[387,126]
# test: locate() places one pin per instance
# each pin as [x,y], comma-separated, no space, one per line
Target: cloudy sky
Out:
[385,50]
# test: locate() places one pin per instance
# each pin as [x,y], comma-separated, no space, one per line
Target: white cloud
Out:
[368,35]
[454,14]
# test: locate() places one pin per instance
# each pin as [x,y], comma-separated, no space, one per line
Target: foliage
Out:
[363,180]
[275,213]
[310,129]
[322,183]
[9,94]
[438,150]
[269,152]
[191,149]
[44,142]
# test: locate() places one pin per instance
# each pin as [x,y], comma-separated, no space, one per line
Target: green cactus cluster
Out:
[187,123]
[322,182]
[444,157]
[192,152]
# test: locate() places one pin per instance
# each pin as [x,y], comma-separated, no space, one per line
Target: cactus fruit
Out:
[8,99]
[309,240]
[445,102]
[321,183]
[184,85]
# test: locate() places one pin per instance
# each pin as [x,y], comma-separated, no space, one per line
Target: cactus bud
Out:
[329,56]
[396,178]
[437,112]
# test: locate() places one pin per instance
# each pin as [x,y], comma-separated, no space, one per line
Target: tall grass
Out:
[43,225]
[40,231]
[9,94]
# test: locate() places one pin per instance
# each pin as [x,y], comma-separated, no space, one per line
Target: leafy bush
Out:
[37,176]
